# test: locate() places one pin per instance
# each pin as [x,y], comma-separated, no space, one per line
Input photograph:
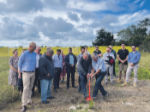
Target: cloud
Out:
[86,15]
[73,16]
[142,3]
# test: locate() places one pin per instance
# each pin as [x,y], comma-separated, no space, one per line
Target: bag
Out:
[110,60]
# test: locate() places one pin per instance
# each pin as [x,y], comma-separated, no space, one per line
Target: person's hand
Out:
[63,64]
[48,75]
[88,75]
[122,61]
[72,65]
[131,64]
[100,55]
[92,75]
[19,76]
[19,71]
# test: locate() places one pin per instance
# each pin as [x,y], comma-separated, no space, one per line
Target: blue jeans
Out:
[98,85]
[45,89]
[83,81]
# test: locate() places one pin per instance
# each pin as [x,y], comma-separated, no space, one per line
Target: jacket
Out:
[68,64]
[46,65]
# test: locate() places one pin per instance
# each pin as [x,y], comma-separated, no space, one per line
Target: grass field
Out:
[6,90]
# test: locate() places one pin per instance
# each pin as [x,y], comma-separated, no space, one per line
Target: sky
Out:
[65,22]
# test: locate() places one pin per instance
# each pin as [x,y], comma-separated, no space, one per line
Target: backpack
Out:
[110,60]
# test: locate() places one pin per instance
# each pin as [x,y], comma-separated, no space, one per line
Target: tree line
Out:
[137,34]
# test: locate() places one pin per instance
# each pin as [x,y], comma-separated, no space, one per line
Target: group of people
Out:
[32,69]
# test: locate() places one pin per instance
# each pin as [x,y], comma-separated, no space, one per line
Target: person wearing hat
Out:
[13,71]
[58,64]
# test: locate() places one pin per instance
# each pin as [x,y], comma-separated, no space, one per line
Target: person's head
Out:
[58,51]
[85,55]
[86,47]
[94,57]
[82,50]
[38,50]
[108,49]
[32,46]
[70,50]
[49,53]
[62,52]
[48,48]
[133,48]
[123,46]
[15,52]
[96,47]
[24,50]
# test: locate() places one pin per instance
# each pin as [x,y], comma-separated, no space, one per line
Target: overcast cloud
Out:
[65,22]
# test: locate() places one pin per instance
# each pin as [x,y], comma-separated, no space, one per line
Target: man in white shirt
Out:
[86,50]
[37,81]
[58,64]
[109,67]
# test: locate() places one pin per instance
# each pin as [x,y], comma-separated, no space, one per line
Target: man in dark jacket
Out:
[47,71]
[84,69]
[70,61]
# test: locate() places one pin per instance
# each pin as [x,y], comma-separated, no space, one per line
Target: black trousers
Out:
[114,71]
[36,81]
[56,78]
[72,76]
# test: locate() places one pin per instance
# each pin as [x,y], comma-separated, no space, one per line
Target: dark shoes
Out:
[55,90]
[74,87]
[45,102]
[51,97]
[24,108]
[85,95]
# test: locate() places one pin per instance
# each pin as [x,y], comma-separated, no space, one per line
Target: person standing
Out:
[58,63]
[115,56]
[97,51]
[133,60]
[70,61]
[37,81]
[47,72]
[122,57]
[63,72]
[99,67]
[86,50]
[13,71]
[109,67]
[84,69]
[26,66]
[20,83]
[78,58]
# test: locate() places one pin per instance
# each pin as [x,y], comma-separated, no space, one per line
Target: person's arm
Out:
[61,62]
[75,60]
[137,59]
[11,64]
[112,56]
[42,67]
[20,62]
[115,54]
[105,57]
[129,58]
[90,65]
[80,67]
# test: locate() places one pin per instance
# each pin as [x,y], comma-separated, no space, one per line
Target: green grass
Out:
[91,104]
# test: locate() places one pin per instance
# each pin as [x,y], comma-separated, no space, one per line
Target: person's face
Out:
[85,57]
[47,54]
[82,51]
[70,51]
[108,50]
[38,50]
[16,53]
[86,48]
[97,48]
[95,59]
[32,47]
[133,48]
[123,46]
[58,52]
[51,55]
[110,47]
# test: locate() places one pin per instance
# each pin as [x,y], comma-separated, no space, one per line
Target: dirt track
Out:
[120,99]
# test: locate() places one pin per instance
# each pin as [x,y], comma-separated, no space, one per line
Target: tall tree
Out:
[103,38]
